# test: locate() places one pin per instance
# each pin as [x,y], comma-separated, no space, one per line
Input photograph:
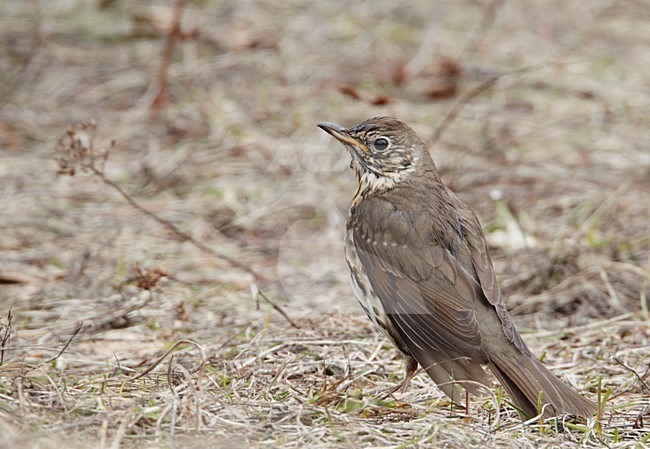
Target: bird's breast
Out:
[361,285]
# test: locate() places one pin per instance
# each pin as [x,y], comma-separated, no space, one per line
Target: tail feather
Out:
[452,374]
[524,379]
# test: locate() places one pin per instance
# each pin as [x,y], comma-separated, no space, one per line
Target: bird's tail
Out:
[526,380]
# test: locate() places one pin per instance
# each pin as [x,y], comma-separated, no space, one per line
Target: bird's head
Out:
[384,150]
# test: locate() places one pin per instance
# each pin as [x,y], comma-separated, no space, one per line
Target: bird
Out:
[421,270]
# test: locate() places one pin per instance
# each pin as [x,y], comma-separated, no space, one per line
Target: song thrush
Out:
[421,270]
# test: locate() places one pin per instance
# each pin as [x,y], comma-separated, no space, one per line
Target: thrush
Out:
[421,270]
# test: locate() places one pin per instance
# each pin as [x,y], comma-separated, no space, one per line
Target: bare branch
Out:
[74,334]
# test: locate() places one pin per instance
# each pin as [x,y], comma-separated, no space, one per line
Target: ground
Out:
[170,191]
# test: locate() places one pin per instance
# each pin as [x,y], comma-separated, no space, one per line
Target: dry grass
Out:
[226,189]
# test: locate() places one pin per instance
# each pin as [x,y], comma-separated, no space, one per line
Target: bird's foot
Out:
[410,366]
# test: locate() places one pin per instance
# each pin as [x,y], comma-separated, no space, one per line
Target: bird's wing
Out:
[430,298]
[482,264]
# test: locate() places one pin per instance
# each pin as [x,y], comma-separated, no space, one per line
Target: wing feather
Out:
[431,305]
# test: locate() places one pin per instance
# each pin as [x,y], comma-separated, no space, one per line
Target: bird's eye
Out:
[381,144]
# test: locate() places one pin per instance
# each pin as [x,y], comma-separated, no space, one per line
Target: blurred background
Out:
[536,113]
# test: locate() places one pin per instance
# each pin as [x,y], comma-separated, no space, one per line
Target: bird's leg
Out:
[410,366]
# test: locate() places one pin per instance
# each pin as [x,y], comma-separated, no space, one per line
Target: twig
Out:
[204,359]
[119,367]
[175,399]
[487,20]
[458,107]
[174,34]
[278,308]
[284,365]
[74,334]
[639,378]
[170,43]
[6,335]
[469,96]
[598,325]
[195,392]
[173,228]
[79,152]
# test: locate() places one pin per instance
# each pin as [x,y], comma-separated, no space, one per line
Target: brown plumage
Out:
[421,270]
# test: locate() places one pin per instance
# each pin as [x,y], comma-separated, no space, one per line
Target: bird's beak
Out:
[343,136]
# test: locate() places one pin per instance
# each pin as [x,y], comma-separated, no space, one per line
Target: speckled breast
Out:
[362,289]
